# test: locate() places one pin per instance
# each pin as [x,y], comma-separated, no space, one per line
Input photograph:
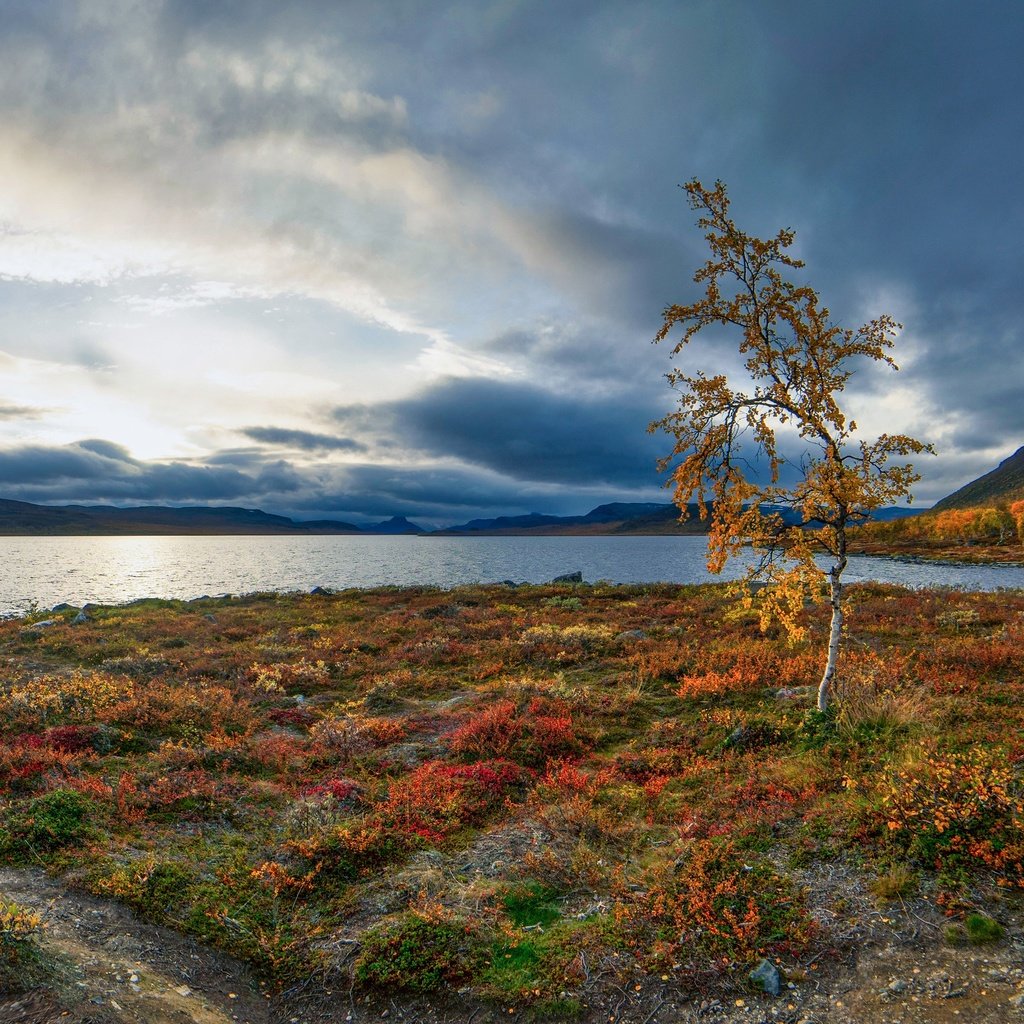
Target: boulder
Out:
[766,974]
[569,577]
[795,692]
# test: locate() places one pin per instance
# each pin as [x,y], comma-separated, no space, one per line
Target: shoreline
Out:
[939,559]
[55,614]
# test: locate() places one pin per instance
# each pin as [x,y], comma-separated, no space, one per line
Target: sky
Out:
[362,258]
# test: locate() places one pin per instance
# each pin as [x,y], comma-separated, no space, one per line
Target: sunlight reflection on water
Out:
[44,571]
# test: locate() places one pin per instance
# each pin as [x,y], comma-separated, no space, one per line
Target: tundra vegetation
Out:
[527,795]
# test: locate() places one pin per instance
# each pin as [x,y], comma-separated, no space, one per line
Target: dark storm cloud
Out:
[99,470]
[438,495]
[303,439]
[629,274]
[888,135]
[524,431]
[888,139]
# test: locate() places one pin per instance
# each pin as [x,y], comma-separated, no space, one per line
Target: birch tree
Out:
[794,511]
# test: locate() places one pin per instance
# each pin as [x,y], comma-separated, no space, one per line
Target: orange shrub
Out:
[710,684]
[712,905]
[957,809]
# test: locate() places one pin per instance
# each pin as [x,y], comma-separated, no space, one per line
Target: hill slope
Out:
[19,518]
[1004,483]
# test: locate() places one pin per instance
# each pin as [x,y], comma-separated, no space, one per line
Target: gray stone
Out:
[766,974]
[569,577]
[80,618]
[738,737]
[794,692]
[632,634]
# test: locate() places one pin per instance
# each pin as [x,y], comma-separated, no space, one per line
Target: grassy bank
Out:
[525,795]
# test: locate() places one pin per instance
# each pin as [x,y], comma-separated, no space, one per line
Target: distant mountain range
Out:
[1002,484]
[21,518]
[618,517]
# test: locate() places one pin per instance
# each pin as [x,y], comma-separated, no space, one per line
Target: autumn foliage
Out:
[997,526]
[285,776]
[730,431]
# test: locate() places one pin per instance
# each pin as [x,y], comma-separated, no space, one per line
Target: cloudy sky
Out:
[356,258]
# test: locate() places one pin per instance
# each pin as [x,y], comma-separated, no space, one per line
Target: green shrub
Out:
[50,822]
[158,891]
[421,952]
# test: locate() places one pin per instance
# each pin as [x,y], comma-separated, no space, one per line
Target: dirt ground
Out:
[891,967]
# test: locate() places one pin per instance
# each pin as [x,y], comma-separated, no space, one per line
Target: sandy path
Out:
[116,968]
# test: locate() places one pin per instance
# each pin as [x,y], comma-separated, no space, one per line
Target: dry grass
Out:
[864,708]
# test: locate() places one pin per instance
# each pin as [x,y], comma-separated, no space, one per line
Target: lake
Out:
[44,571]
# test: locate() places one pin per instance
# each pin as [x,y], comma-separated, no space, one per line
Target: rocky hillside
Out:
[1003,484]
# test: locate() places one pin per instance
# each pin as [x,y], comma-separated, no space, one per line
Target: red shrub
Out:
[339,789]
[72,739]
[492,732]
[531,736]
[28,762]
[298,718]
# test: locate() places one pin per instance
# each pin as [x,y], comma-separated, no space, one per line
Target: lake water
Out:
[44,571]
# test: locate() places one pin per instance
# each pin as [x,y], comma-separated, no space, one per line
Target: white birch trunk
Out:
[835,634]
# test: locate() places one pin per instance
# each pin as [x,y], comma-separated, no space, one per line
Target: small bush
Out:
[956,811]
[50,822]
[900,881]
[20,963]
[421,952]
[715,905]
[530,735]
[818,728]
[157,891]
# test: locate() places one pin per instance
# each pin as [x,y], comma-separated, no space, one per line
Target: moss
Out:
[982,930]
[531,904]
